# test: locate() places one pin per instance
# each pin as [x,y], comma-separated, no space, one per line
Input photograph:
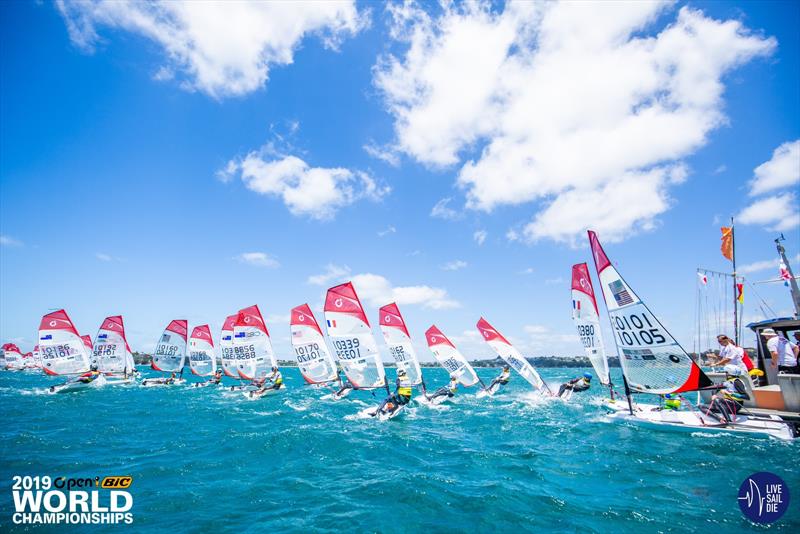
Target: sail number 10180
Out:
[637,329]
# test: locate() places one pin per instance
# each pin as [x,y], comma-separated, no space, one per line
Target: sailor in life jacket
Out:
[447,391]
[733,389]
[90,375]
[581,383]
[502,378]
[403,390]
[672,402]
[276,378]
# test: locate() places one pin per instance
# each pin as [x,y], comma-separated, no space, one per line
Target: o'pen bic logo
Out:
[763,497]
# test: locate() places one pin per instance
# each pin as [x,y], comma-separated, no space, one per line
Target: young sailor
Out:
[171,379]
[217,378]
[89,376]
[276,379]
[581,383]
[446,391]
[731,397]
[502,378]
[401,396]
[345,386]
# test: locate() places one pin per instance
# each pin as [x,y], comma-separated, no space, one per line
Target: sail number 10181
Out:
[637,329]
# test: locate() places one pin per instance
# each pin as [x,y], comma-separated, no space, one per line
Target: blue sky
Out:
[158,163]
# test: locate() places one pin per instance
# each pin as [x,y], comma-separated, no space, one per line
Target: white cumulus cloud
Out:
[257,259]
[315,192]
[332,272]
[454,265]
[442,210]
[777,213]
[783,170]
[221,48]
[376,290]
[585,110]
[480,236]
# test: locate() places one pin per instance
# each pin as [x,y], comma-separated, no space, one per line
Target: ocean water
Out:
[208,460]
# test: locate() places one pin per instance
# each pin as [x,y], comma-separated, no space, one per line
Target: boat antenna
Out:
[792,280]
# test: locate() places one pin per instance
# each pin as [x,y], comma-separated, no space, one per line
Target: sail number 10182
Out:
[637,329]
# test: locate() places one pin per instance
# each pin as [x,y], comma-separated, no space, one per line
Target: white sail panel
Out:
[170,354]
[252,347]
[313,358]
[63,350]
[397,338]
[13,357]
[111,353]
[450,358]
[202,360]
[227,357]
[37,357]
[352,338]
[652,360]
[510,354]
[586,316]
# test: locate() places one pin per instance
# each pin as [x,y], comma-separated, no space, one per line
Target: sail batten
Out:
[397,338]
[586,316]
[352,339]
[510,354]
[652,360]
[450,357]
[313,357]
[63,350]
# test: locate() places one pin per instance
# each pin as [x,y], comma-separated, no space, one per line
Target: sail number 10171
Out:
[637,329]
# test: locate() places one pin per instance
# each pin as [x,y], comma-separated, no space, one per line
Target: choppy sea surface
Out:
[206,460]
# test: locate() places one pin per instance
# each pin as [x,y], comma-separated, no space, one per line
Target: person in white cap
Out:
[784,352]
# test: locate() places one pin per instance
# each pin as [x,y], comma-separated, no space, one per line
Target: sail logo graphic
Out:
[763,497]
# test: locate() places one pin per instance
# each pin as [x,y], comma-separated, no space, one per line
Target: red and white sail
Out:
[37,357]
[111,352]
[13,357]
[63,350]
[170,354]
[252,346]
[586,316]
[397,338]
[652,360]
[226,346]
[313,357]
[202,360]
[510,354]
[351,335]
[450,358]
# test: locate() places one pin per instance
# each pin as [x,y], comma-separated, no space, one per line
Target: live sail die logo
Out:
[763,497]
[44,500]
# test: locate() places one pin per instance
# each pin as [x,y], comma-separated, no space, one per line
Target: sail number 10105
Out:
[637,329]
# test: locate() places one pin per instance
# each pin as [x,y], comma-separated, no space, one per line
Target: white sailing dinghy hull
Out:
[72,387]
[158,382]
[335,396]
[253,394]
[771,426]
[488,392]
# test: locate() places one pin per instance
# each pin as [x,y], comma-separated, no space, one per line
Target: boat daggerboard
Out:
[352,338]
[202,360]
[510,354]
[111,352]
[397,338]
[13,356]
[313,357]
[252,347]
[228,358]
[652,360]
[586,316]
[63,350]
[450,358]
[170,354]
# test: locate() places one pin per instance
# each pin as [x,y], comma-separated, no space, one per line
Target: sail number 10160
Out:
[637,329]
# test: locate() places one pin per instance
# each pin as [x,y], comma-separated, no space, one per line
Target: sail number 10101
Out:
[637,329]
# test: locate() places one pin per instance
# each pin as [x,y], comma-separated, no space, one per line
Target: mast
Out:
[735,288]
[792,281]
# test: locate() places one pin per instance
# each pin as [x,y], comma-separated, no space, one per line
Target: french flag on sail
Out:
[576,307]
[331,323]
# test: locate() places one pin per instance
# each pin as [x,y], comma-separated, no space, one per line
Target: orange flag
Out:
[727,242]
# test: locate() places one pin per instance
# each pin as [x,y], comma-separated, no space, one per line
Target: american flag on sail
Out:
[165,338]
[621,294]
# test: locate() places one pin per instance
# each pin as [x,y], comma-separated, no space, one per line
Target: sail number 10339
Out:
[637,329]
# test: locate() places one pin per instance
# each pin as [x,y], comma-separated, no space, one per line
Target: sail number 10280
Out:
[637,329]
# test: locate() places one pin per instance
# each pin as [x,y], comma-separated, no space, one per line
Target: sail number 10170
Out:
[637,329]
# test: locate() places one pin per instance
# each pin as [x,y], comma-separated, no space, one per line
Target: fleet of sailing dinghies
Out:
[111,354]
[252,346]
[227,357]
[202,360]
[170,353]
[313,357]
[13,357]
[450,358]
[511,355]
[651,359]
[587,320]
[397,338]
[63,350]
[352,339]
